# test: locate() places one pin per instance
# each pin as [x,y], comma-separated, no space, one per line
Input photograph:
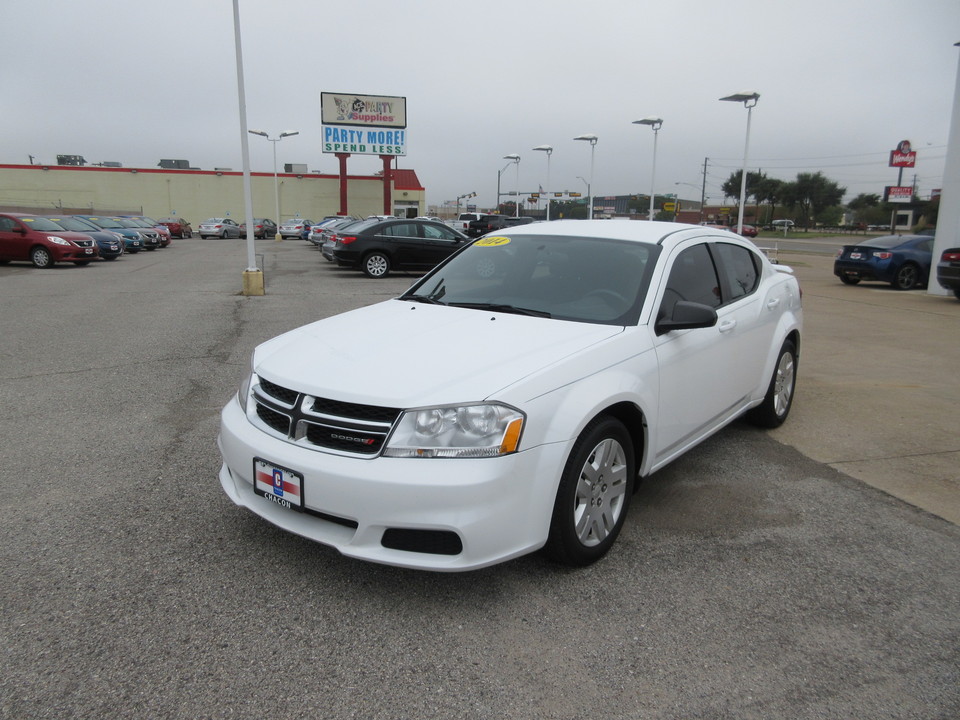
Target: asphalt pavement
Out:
[807,572]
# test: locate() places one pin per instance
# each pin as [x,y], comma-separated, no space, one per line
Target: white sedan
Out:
[510,399]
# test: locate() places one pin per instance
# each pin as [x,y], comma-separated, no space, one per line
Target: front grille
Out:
[324,422]
[84,243]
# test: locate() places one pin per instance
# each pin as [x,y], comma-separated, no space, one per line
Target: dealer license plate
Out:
[855,256]
[280,485]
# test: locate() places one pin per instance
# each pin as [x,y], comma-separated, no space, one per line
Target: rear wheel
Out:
[908,277]
[376,265]
[779,398]
[41,257]
[849,279]
[593,495]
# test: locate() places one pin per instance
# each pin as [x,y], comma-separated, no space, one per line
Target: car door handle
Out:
[772,304]
[727,326]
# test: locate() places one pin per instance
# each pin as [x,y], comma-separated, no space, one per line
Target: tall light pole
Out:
[549,151]
[253,276]
[749,99]
[655,123]
[513,158]
[592,139]
[276,185]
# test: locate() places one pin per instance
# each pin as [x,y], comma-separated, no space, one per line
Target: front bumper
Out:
[499,508]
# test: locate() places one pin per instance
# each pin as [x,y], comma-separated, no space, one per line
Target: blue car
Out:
[108,241]
[901,260]
[132,240]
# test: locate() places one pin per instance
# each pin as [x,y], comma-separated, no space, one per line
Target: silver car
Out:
[295,227]
[219,227]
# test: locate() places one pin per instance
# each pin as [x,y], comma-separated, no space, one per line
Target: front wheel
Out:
[593,495]
[376,265]
[41,257]
[779,398]
[908,277]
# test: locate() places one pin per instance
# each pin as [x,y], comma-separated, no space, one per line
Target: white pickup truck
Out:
[462,223]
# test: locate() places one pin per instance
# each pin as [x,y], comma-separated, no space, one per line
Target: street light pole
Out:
[749,99]
[655,123]
[592,139]
[549,151]
[513,158]
[276,184]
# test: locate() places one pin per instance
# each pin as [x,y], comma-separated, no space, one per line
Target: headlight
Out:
[57,240]
[244,393]
[465,431]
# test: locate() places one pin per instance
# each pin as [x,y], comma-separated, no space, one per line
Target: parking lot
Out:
[762,575]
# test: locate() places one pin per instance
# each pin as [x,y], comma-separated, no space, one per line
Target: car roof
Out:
[654,233]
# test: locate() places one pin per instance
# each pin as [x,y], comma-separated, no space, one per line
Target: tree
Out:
[731,188]
[811,194]
[864,208]
[769,190]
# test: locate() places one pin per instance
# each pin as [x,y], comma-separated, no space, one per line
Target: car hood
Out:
[402,354]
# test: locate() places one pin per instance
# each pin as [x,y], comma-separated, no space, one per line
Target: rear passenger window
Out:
[740,269]
[401,230]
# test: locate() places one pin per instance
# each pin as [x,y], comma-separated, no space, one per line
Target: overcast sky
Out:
[841,83]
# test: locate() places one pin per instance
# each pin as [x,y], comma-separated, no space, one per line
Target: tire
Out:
[779,398]
[849,279]
[41,257]
[376,265]
[956,293]
[594,494]
[908,277]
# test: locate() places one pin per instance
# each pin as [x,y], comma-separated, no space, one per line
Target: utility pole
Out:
[703,188]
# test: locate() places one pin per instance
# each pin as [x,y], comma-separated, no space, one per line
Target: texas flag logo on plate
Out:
[279,484]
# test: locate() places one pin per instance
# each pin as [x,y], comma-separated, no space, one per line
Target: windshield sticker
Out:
[492,242]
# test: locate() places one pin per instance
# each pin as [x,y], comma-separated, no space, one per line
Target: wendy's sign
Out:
[903,156]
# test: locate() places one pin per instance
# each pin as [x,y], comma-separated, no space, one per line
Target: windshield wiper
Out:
[496,307]
[429,300]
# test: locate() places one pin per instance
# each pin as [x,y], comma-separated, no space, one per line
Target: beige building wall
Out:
[191,194]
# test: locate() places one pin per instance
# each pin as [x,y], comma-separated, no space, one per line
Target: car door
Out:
[404,243]
[439,243]
[14,245]
[701,382]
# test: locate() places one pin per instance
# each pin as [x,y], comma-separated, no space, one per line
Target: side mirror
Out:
[686,316]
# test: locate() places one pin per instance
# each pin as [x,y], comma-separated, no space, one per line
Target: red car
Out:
[42,242]
[178,227]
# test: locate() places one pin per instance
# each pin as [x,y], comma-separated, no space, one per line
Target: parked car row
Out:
[80,239]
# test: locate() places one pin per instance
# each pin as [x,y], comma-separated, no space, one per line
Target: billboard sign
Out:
[899,194]
[903,156]
[383,111]
[369,141]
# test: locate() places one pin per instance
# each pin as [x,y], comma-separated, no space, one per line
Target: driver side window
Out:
[693,278]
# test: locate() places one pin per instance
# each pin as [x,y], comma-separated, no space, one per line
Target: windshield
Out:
[70,223]
[39,223]
[126,222]
[887,243]
[567,278]
[106,223]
